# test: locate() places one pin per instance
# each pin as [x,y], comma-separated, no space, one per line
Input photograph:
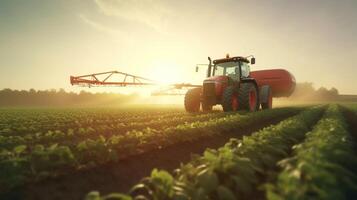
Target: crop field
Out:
[305,152]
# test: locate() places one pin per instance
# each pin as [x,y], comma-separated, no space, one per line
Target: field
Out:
[300,152]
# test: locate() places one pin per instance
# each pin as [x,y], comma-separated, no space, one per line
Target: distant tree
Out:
[60,97]
[322,92]
[334,92]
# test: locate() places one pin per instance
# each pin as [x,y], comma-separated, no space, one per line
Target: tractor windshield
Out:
[226,69]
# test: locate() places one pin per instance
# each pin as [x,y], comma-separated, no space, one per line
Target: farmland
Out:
[282,153]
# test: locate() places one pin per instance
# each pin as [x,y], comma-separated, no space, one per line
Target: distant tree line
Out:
[306,91]
[60,97]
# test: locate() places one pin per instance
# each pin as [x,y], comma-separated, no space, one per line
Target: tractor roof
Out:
[231,59]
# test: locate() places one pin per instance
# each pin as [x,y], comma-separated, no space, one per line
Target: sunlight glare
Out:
[166,73]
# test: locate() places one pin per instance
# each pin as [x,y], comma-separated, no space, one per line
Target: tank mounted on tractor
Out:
[230,83]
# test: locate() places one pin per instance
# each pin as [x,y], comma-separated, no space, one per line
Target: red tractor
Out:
[230,83]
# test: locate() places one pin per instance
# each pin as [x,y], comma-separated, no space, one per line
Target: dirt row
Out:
[351,119]
[122,175]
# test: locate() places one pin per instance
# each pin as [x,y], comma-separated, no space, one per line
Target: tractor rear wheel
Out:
[193,100]
[230,99]
[266,97]
[248,97]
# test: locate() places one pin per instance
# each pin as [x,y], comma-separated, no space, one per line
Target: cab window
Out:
[227,68]
[245,69]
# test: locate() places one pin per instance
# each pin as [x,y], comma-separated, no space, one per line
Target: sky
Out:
[43,42]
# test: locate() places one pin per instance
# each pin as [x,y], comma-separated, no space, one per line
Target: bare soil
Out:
[351,119]
[122,175]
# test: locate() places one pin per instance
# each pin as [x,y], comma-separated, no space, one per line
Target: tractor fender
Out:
[265,91]
[251,80]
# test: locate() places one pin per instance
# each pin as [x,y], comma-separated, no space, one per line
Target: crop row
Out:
[29,121]
[232,171]
[93,131]
[323,167]
[23,162]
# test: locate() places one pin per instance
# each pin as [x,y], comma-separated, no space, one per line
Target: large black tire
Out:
[266,97]
[230,99]
[193,100]
[248,97]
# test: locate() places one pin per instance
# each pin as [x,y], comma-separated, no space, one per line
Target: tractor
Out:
[231,84]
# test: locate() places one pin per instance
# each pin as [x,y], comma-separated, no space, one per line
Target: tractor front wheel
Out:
[206,107]
[248,97]
[193,100]
[230,99]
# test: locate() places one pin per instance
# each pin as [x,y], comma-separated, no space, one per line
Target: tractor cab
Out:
[229,71]
[235,67]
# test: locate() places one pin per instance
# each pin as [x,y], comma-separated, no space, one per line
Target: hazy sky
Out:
[43,42]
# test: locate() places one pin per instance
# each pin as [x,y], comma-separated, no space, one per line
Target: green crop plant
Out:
[323,166]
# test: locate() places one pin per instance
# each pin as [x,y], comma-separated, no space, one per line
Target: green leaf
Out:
[225,194]
[93,195]
[39,147]
[210,155]
[19,149]
[162,175]
[243,186]
[53,147]
[139,188]
[200,194]
[208,180]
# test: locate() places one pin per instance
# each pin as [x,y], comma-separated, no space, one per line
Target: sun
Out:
[166,73]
